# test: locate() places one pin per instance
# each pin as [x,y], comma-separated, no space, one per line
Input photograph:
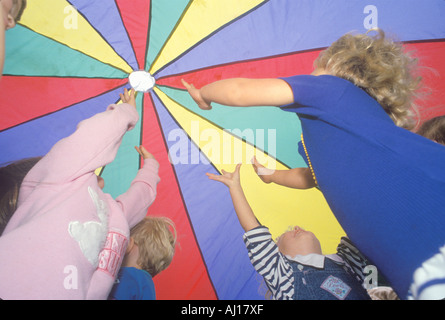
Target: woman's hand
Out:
[264,173]
[196,95]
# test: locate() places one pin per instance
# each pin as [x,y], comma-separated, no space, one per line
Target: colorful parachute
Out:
[67,60]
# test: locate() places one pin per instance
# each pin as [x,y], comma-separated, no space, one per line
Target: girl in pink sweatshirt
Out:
[67,238]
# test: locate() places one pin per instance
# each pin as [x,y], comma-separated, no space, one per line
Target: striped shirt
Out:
[353,258]
[271,264]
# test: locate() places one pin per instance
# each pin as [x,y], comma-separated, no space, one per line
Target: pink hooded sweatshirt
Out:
[67,238]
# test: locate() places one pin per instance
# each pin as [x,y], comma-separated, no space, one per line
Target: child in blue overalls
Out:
[294,267]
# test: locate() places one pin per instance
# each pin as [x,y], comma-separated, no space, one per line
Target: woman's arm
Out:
[297,178]
[242,92]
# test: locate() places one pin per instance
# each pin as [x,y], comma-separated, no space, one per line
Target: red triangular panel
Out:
[187,262]
[31,97]
[137,25]
[280,66]
[430,54]
[431,58]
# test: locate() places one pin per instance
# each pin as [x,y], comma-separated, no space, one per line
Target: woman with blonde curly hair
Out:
[384,183]
[150,251]
[380,67]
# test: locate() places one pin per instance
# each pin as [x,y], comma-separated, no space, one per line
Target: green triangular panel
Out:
[164,17]
[31,54]
[119,174]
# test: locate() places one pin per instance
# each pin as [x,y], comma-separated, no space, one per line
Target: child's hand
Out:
[144,153]
[230,179]
[196,95]
[129,97]
[264,173]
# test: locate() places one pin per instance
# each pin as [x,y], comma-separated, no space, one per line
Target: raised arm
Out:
[297,178]
[243,210]
[143,189]
[241,92]
[93,145]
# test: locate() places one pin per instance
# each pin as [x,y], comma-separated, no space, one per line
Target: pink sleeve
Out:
[93,145]
[141,194]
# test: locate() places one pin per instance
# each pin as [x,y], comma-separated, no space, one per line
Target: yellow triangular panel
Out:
[200,20]
[58,20]
[275,206]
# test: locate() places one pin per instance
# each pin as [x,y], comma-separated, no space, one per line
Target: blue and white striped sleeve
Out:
[270,263]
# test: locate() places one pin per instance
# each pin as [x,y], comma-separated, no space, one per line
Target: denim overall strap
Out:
[332,282]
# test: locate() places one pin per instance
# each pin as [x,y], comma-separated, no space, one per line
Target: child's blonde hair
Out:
[379,66]
[156,241]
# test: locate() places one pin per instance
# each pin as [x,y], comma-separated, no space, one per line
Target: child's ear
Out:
[130,245]
[10,22]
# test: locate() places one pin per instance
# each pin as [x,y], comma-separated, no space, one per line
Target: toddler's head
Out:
[156,241]
[298,241]
[379,66]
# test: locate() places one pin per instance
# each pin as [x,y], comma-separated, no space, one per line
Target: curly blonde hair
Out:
[156,241]
[381,67]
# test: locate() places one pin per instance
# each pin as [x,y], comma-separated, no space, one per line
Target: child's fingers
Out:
[143,152]
[217,177]
[186,84]
[127,95]
[256,163]
[258,167]
[213,176]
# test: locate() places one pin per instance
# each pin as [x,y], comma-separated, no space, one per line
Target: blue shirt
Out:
[384,184]
[133,284]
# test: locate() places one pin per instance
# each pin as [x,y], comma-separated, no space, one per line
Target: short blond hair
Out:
[156,241]
[381,67]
